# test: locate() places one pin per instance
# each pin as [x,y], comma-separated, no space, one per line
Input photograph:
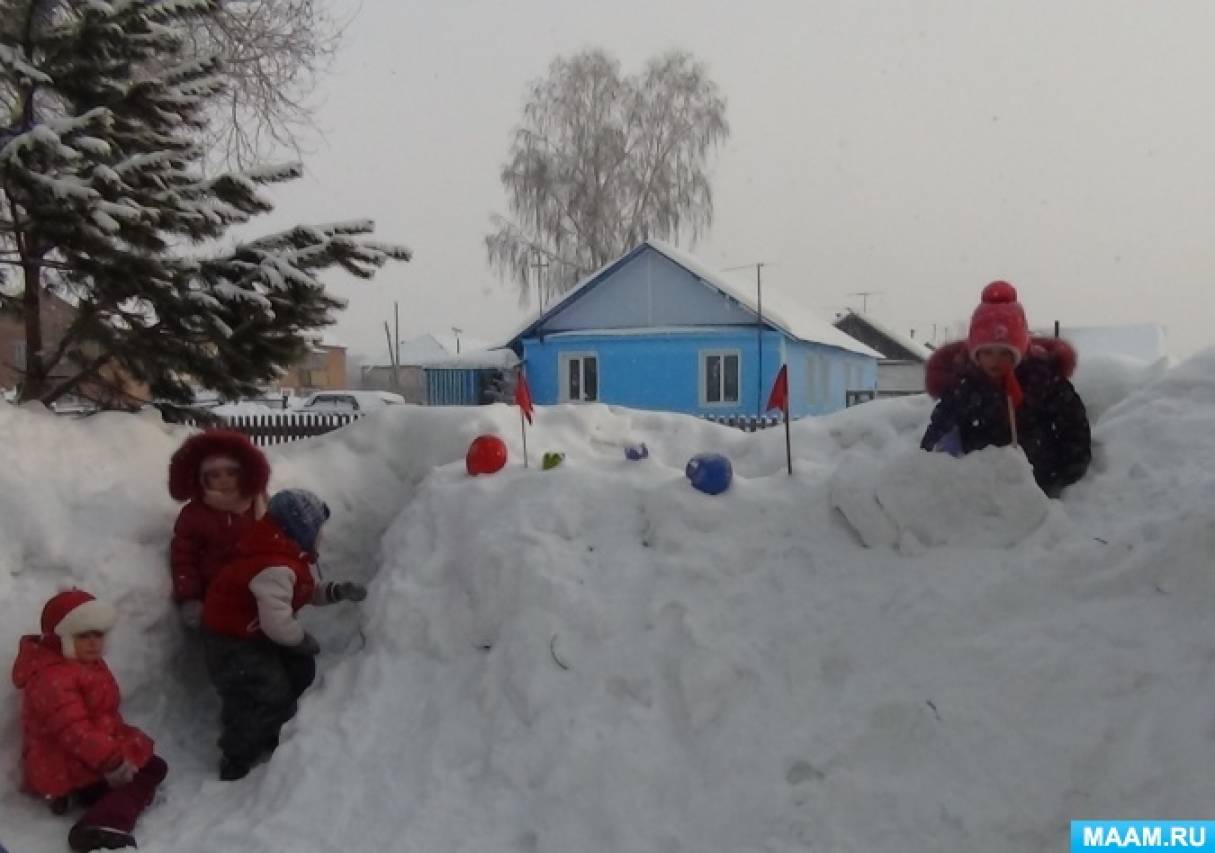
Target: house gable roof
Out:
[738,308]
[895,346]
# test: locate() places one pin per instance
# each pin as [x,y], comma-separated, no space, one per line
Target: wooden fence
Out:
[266,430]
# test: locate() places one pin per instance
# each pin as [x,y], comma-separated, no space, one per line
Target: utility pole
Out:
[457,331]
[759,333]
[393,356]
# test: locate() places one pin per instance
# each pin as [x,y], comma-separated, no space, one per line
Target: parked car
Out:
[349,401]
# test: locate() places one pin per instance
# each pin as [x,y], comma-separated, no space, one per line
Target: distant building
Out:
[322,369]
[657,329]
[901,368]
[444,370]
[115,389]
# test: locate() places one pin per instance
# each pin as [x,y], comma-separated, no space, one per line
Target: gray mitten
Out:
[307,646]
[347,591]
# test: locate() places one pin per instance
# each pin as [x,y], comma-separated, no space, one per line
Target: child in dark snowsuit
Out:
[223,476]
[259,657]
[75,743]
[1001,387]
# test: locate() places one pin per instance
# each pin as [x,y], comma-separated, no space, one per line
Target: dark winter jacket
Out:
[1052,425]
[203,537]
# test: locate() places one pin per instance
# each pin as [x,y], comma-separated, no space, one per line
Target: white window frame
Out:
[703,375]
[580,357]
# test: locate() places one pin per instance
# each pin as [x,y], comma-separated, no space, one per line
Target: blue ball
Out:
[710,473]
[635,452]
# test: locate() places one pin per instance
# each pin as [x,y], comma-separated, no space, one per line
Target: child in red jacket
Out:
[224,477]
[74,740]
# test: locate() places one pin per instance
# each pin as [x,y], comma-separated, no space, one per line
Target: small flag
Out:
[523,395]
[779,398]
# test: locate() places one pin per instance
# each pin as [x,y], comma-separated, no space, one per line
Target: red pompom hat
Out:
[999,321]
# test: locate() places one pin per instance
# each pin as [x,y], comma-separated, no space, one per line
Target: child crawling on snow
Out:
[75,743]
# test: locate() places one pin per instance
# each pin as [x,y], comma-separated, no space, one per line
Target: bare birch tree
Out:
[272,53]
[601,162]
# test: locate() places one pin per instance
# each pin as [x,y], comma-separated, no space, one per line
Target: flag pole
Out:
[1012,419]
[788,442]
[523,430]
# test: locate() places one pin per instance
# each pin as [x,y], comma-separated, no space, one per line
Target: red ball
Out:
[486,455]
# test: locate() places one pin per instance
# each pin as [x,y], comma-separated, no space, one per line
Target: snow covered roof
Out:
[421,350]
[780,311]
[905,341]
[434,350]
[499,358]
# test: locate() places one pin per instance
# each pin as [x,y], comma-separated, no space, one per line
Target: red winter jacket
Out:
[203,537]
[231,607]
[70,725]
[203,541]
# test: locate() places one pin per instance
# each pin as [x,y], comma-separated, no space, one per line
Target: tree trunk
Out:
[35,373]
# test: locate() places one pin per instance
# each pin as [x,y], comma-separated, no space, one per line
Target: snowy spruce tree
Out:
[104,204]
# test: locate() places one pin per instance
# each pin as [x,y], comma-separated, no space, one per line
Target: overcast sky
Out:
[916,149]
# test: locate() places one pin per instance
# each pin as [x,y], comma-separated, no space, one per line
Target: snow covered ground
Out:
[599,658]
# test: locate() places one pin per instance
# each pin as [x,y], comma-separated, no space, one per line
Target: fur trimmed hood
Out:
[949,361]
[184,480]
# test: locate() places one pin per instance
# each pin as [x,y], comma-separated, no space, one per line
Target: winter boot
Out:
[83,838]
[231,769]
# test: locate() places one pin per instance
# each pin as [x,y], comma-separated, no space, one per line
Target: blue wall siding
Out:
[820,375]
[648,289]
[451,387]
[663,371]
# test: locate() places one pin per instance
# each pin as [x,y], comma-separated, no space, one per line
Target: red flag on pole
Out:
[523,395]
[779,398]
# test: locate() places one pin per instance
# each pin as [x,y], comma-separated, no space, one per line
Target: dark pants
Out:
[259,683]
[119,808]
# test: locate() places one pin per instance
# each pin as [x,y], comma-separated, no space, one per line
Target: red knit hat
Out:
[74,612]
[999,321]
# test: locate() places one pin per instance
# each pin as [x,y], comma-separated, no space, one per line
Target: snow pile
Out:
[1104,380]
[600,658]
[916,499]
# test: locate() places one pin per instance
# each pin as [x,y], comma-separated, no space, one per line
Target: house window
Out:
[580,377]
[19,355]
[719,378]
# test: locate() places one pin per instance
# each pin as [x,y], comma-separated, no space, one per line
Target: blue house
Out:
[656,329]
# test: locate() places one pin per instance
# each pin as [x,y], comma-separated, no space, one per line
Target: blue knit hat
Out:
[300,514]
